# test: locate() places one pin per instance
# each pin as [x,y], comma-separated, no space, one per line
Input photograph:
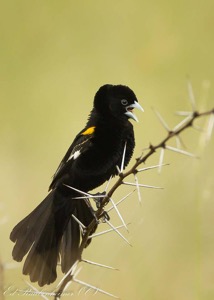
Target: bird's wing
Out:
[80,144]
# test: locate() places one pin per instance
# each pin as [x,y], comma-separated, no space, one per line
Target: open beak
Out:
[130,108]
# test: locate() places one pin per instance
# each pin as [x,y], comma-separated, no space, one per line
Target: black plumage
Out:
[49,232]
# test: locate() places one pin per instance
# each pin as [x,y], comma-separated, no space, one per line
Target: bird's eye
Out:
[124,102]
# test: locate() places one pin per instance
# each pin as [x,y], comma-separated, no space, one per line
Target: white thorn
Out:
[104,232]
[180,151]
[210,127]
[152,167]
[142,185]
[178,142]
[123,158]
[79,222]
[69,273]
[66,286]
[91,196]
[161,120]
[179,125]
[76,272]
[81,197]
[191,95]
[94,288]
[97,264]
[151,186]
[161,160]
[181,142]
[107,185]
[138,189]
[118,170]
[118,232]
[119,214]
[183,113]
[79,191]
[121,200]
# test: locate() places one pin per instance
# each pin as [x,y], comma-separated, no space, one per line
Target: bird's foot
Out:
[98,197]
[105,216]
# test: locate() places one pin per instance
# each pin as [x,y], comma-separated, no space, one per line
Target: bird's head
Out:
[116,101]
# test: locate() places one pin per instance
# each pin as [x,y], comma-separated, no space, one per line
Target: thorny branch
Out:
[100,213]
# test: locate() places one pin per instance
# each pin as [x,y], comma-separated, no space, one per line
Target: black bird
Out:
[49,232]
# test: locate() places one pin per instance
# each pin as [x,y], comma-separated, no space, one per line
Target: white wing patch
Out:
[74,155]
[78,150]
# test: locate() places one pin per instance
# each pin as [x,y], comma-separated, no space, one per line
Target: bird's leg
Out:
[98,197]
[105,216]
[93,212]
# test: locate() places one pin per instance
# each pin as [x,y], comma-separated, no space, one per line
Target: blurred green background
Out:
[54,55]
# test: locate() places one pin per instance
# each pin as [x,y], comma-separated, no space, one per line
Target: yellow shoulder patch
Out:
[89,130]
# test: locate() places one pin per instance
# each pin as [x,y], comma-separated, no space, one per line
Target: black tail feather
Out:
[30,228]
[70,245]
[48,232]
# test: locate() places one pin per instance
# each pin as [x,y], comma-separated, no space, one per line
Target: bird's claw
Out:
[105,216]
[97,199]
